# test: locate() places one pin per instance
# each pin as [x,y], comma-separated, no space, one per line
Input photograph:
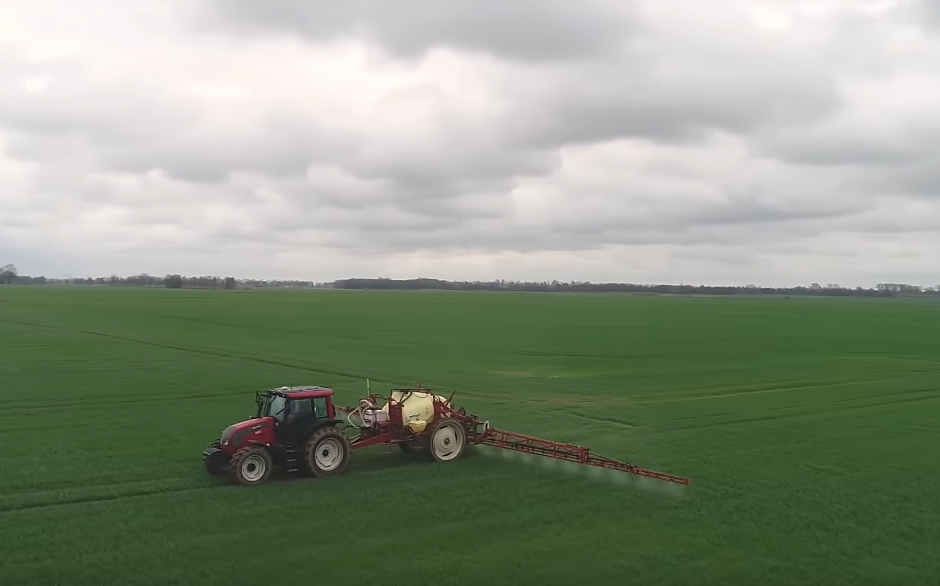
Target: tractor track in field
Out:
[215,353]
[119,400]
[383,378]
[372,466]
[842,406]
[199,351]
[766,391]
[599,419]
[91,499]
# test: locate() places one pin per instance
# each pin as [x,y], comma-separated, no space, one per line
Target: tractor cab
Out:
[295,410]
[285,402]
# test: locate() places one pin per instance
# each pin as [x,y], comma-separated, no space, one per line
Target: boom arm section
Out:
[509,440]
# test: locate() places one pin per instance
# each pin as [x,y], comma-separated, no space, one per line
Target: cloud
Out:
[763,141]
[527,30]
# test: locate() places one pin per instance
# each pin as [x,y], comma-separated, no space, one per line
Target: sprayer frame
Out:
[479,432]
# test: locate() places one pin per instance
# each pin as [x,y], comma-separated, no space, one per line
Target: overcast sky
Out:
[774,142]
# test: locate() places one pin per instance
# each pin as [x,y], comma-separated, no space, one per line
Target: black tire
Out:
[326,452]
[419,445]
[447,439]
[251,465]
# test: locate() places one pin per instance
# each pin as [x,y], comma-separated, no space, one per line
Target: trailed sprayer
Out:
[300,429]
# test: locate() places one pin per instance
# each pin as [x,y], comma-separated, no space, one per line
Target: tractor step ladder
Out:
[291,462]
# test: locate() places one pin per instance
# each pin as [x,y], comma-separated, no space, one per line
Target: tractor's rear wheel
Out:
[448,439]
[326,452]
[251,465]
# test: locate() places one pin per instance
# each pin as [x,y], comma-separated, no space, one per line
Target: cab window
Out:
[300,407]
[319,407]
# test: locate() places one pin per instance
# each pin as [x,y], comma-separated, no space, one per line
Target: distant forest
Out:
[10,276]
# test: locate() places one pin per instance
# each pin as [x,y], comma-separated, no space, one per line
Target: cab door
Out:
[296,421]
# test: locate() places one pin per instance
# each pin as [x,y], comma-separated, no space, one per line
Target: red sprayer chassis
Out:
[474,431]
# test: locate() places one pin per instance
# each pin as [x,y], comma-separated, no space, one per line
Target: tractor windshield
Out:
[272,406]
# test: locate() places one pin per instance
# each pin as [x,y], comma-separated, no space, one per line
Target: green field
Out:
[808,428]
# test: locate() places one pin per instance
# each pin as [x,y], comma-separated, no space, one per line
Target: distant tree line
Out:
[10,276]
[815,289]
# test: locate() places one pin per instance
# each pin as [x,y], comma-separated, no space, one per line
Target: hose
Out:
[358,411]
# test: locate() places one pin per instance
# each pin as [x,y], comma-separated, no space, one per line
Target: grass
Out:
[807,428]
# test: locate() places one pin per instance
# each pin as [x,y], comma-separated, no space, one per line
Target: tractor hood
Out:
[229,431]
[234,436]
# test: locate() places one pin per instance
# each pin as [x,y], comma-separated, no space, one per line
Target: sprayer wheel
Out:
[326,452]
[448,439]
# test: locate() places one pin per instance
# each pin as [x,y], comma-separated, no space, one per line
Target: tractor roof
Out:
[306,392]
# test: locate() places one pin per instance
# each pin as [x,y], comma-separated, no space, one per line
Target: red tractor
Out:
[294,428]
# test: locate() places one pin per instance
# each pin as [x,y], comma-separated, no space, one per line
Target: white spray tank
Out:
[417,408]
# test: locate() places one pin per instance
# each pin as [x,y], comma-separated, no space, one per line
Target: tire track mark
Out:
[610,420]
[116,400]
[777,390]
[471,391]
[888,403]
[61,485]
[384,378]
[81,361]
[6,509]
[682,393]
[933,394]
[221,354]
[201,351]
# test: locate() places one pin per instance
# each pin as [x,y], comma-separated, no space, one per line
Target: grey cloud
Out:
[212,154]
[755,211]
[641,77]
[73,107]
[137,126]
[750,211]
[26,219]
[183,148]
[528,30]
[135,129]
[27,146]
[919,178]
[625,101]
[837,148]
[676,88]
[442,169]
[662,91]
[924,14]
[496,238]
[467,224]
[669,86]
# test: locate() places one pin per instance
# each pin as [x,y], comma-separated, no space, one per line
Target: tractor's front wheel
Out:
[326,452]
[251,465]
